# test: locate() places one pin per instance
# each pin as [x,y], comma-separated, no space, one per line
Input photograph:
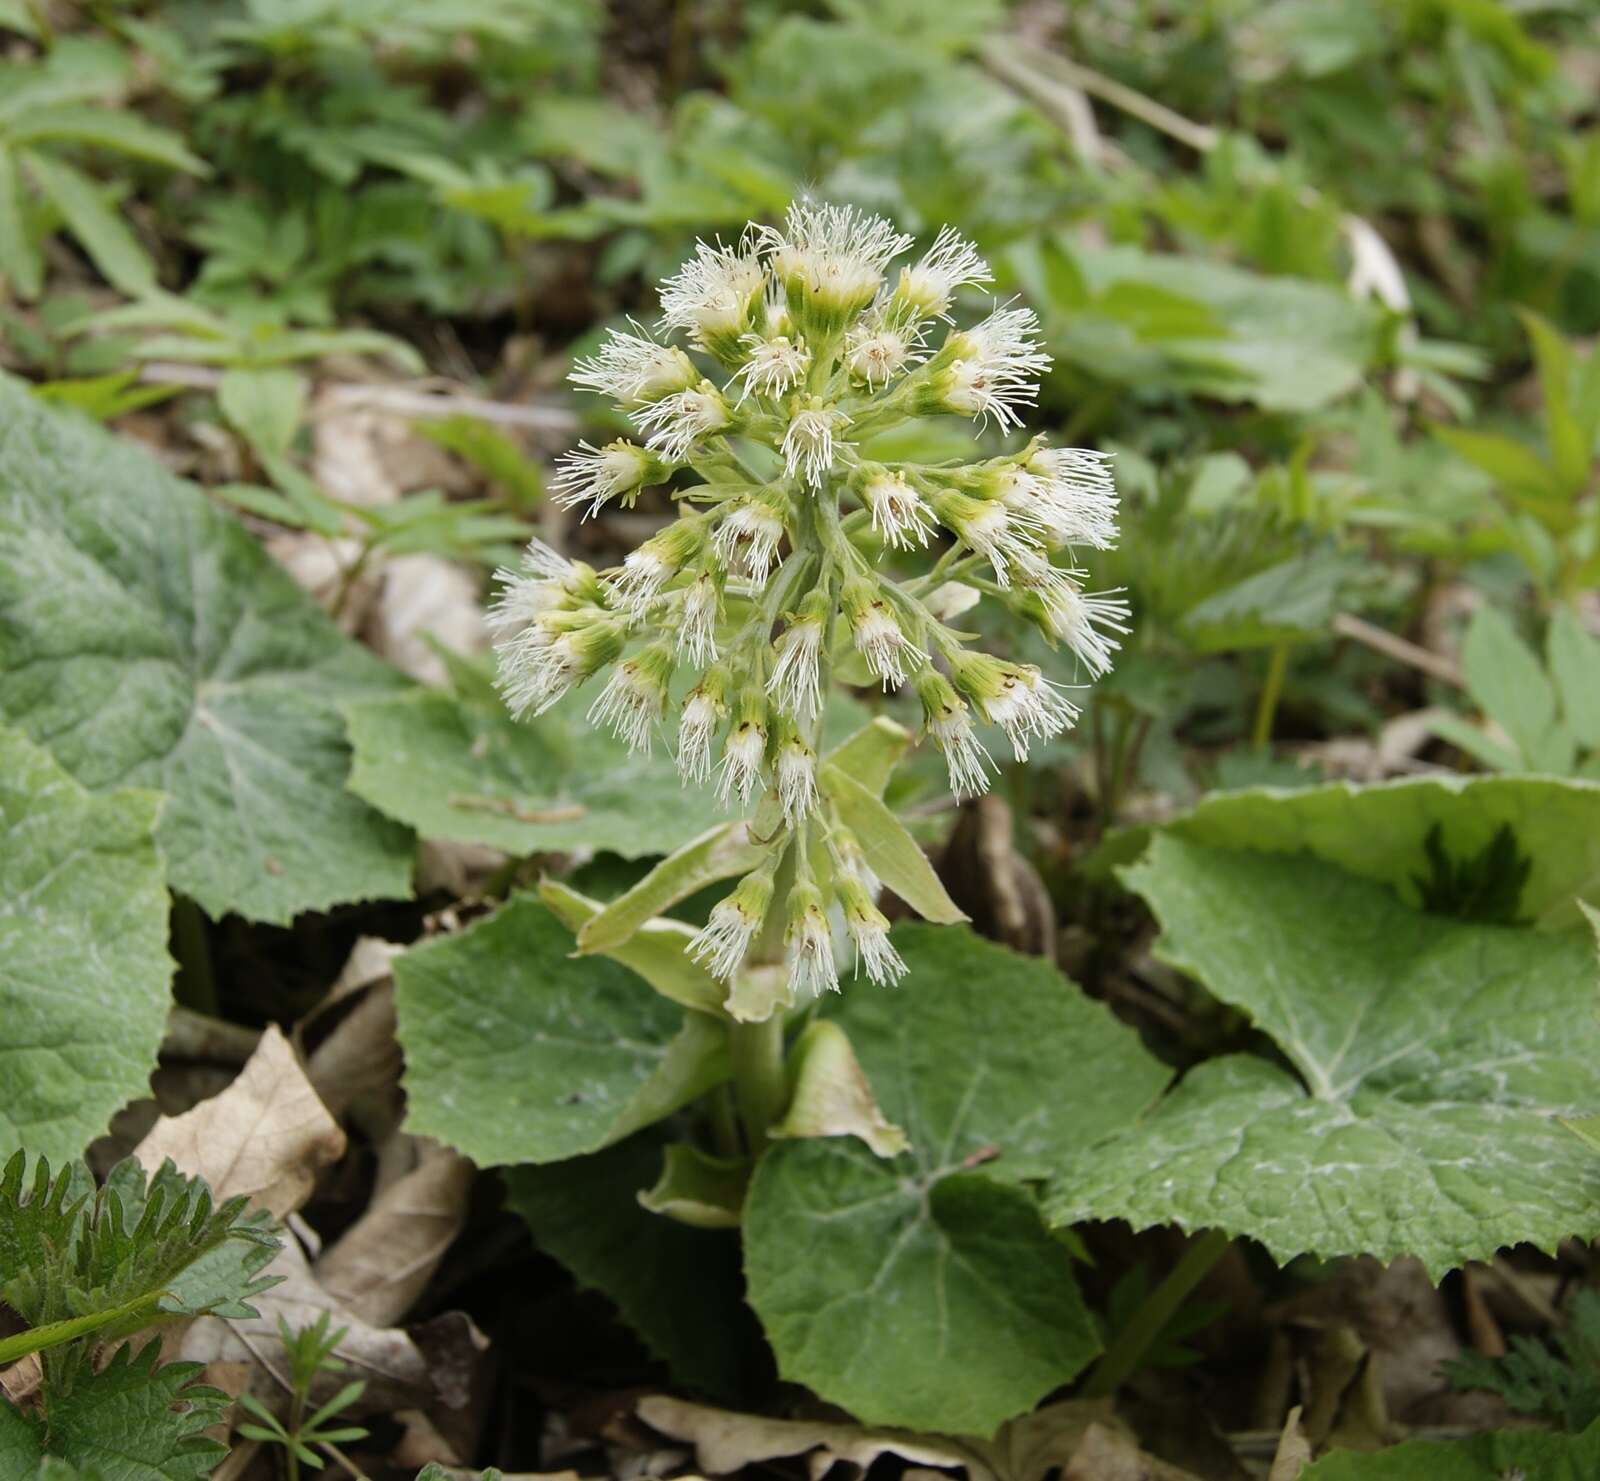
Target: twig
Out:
[404,401]
[192,1035]
[570,812]
[1065,104]
[401,400]
[1198,136]
[1058,87]
[1399,649]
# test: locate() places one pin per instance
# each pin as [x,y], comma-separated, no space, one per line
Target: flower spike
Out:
[783,367]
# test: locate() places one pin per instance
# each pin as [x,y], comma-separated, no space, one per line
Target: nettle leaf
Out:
[1504,1455]
[924,1291]
[132,1421]
[463,769]
[518,1052]
[1381,831]
[678,1287]
[1431,1059]
[109,1262]
[148,640]
[84,970]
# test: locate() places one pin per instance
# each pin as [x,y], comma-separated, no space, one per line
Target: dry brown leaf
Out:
[1025,1449]
[22,1379]
[368,964]
[1294,1450]
[425,596]
[1106,1454]
[990,880]
[459,870]
[380,1264]
[393,1366]
[325,569]
[361,1058]
[726,1441]
[266,1136]
[346,457]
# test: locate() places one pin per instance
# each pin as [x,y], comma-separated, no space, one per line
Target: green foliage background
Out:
[1324,278]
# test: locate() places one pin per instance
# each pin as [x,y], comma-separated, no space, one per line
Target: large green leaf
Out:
[518,1052]
[84,970]
[1430,1061]
[1380,831]
[924,1291]
[148,641]
[1499,1456]
[463,769]
[1206,327]
[678,1287]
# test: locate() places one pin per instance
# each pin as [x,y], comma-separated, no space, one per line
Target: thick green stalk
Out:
[1119,1361]
[760,1084]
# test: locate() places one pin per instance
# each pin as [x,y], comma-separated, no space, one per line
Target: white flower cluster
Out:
[803,346]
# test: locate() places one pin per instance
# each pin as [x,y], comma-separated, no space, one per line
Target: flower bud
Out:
[926,288]
[646,570]
[898,511]
[635,697]
[632,368]
[796,770]
[1083,620]
[869,931]
[775,366]
[704,709]
[809,941]
[546,582]
[678,422]
[715,297]
[744,752]
[597,474]
[876,632]
[702,609]
[735,919]
[878,349]
[947,718]
[1016,697]
[808,445]
[554,653]
[830,261]
[987,371]
[749,533]
[987,526]
[795,683]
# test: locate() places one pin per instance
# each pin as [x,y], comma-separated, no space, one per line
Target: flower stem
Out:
[1119,1360]
[760,1085]
[1271,689]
